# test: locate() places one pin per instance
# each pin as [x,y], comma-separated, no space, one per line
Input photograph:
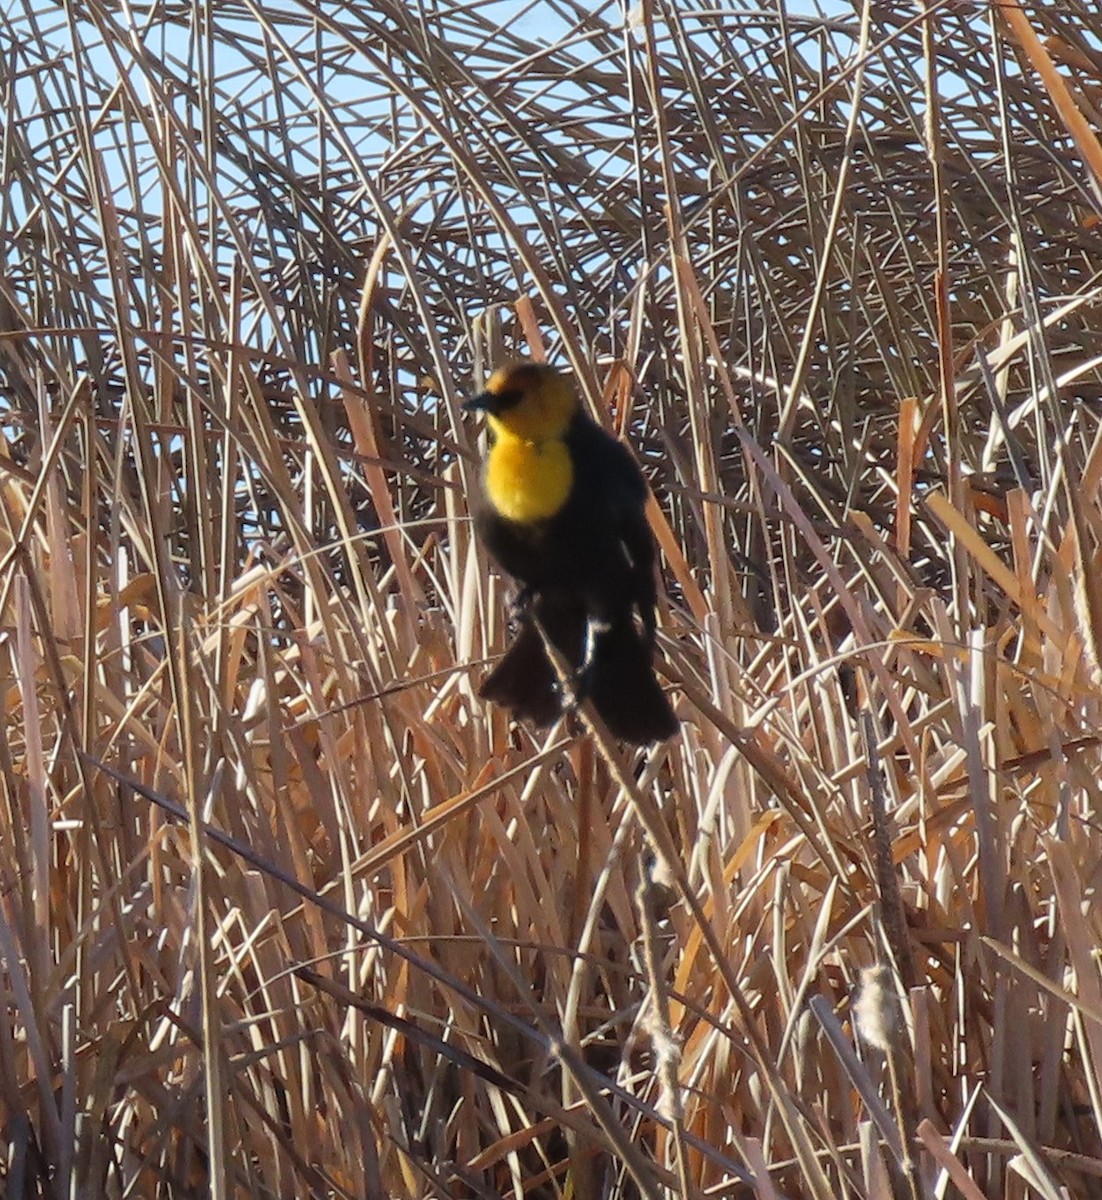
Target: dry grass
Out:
[284,910]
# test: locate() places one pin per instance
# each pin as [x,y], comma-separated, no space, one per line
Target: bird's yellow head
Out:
[527,400]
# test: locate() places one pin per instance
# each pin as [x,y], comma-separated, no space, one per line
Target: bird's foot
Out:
[575,690]
[581,682]
[520,606]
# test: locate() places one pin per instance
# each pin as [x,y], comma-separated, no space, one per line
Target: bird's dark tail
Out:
[619,680]
[622,685]
[525,681]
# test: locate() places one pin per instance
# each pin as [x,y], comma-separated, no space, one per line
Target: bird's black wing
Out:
[612,493]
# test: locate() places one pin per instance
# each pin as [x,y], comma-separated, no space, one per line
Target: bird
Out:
[561,509]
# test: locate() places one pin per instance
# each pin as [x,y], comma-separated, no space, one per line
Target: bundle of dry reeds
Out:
[284,909]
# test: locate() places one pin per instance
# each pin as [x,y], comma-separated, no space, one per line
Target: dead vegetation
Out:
[284,910]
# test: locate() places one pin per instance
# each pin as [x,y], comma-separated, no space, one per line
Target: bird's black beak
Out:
[483,402]
[494,402]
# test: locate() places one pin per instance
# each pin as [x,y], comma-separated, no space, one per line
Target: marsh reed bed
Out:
[284,909]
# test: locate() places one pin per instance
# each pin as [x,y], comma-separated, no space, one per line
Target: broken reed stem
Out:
[651,897]
[894,925]
[659,837]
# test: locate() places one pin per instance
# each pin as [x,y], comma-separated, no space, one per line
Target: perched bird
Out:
[561,510]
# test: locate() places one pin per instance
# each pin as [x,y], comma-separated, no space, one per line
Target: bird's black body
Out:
[587,573]
[598,547]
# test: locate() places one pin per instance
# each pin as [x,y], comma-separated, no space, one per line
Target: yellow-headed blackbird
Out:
[561,510]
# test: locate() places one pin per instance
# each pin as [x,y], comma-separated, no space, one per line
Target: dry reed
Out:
[284,909]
